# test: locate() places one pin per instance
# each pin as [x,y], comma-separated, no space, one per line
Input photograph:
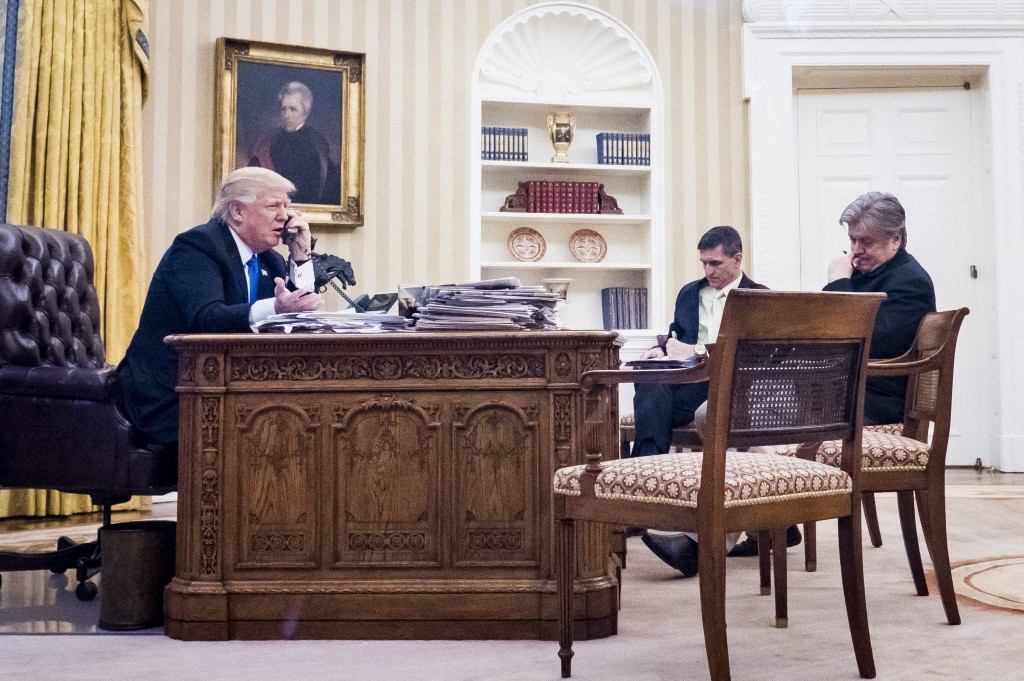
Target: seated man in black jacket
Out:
[878,261]
[221,277]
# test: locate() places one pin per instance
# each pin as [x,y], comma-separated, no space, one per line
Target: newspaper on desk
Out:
[346,321]
[490,305]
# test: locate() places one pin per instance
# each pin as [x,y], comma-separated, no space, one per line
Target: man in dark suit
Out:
[698,314]
[660,407]
[878,261]
[221,277]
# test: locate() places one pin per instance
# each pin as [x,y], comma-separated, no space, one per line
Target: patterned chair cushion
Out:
[890,428]
[750,478]
[881,452]
[627,421]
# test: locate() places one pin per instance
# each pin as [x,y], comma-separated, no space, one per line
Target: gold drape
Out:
[76,161]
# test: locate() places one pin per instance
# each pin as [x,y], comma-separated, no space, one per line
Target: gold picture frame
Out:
[314,132]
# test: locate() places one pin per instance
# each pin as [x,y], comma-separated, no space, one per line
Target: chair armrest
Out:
[892,368]
[74,383]
[696,374]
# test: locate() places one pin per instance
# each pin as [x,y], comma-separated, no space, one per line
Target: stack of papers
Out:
[492,305]
[333,322]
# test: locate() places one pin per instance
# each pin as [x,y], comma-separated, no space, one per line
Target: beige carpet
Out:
[659,627]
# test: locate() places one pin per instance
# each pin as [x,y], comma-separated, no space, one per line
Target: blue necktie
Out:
[254,278]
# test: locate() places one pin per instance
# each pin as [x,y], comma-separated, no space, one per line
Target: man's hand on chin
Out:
[294,301]
[841,267]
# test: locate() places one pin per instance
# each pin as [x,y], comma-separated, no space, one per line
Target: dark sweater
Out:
[910,295]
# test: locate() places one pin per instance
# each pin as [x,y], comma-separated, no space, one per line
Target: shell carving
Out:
[565,52]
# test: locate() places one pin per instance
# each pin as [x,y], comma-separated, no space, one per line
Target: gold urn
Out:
[561,127]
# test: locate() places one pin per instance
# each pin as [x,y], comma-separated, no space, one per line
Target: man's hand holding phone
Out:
[299,300]
[296,236]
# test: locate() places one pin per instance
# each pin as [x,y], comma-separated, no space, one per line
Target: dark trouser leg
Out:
[659,408]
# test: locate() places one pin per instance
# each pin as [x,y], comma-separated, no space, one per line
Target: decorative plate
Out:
[527,244]
[586,245]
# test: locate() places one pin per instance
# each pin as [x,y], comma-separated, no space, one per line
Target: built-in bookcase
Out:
[513,88]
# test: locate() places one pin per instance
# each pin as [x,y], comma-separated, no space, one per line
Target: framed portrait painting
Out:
[298,111]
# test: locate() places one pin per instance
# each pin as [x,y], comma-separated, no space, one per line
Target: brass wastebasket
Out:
[138,562]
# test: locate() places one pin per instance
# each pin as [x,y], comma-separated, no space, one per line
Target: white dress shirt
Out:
[300,275]
[712,305]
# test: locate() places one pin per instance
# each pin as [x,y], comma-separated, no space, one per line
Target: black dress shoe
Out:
[677,550]
[748,547]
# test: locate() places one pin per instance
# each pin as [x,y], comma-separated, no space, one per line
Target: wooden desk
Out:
[391,486]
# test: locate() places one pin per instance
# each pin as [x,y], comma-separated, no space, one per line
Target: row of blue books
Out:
[623,307]
[503,144]
[624,148]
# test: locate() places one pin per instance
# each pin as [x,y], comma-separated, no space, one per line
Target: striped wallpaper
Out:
[419,61]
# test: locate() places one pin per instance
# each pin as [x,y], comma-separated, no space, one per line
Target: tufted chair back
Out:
[63,428]
[49,313]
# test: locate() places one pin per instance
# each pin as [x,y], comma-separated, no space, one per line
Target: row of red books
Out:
[562,197]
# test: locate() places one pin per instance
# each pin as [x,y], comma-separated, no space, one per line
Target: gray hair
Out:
[300,89]
[878,212]
[244,185]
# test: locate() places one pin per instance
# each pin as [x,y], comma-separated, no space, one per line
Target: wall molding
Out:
[838,11]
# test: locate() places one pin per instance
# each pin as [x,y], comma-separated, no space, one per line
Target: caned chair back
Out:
[930,392]
[787,367]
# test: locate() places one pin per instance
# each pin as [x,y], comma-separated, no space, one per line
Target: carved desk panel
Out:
[393,486]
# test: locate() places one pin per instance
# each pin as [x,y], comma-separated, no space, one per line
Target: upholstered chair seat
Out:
[750,478]
[880,452]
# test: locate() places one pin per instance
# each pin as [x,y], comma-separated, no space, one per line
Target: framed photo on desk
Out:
[299,111]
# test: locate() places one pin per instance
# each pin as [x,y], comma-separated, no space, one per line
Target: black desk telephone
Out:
[327,268]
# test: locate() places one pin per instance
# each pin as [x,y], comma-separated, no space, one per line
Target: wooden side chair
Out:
[787,367]
[911,462]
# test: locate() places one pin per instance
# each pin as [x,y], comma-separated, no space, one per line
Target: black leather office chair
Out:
[62,425]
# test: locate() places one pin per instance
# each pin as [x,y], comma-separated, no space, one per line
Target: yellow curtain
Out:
[76,161]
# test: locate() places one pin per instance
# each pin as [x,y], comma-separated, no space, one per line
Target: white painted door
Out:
[922,145]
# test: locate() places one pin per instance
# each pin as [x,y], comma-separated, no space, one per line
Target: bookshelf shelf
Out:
[562,218]
[621,97]
[564,168]
[565,265]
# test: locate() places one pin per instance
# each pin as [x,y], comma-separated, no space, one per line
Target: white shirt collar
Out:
[244,252]
[708,292]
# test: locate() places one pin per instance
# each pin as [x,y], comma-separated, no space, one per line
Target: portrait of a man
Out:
[289,119]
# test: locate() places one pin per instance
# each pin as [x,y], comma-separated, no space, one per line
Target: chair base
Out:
[83,557]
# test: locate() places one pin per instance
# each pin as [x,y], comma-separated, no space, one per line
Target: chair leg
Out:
[811,546]
[565,561]
[908,525]
[779,559]
[852,568]
[712,606]
[764,557]
[921,496]
[936,530]
[871,518]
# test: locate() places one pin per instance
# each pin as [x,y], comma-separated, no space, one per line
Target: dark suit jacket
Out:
[198,287]
[686,323]
[910,295]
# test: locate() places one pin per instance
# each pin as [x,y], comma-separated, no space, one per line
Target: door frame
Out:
[779,57]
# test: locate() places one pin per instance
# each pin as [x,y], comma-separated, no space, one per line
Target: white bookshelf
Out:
[605,95]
